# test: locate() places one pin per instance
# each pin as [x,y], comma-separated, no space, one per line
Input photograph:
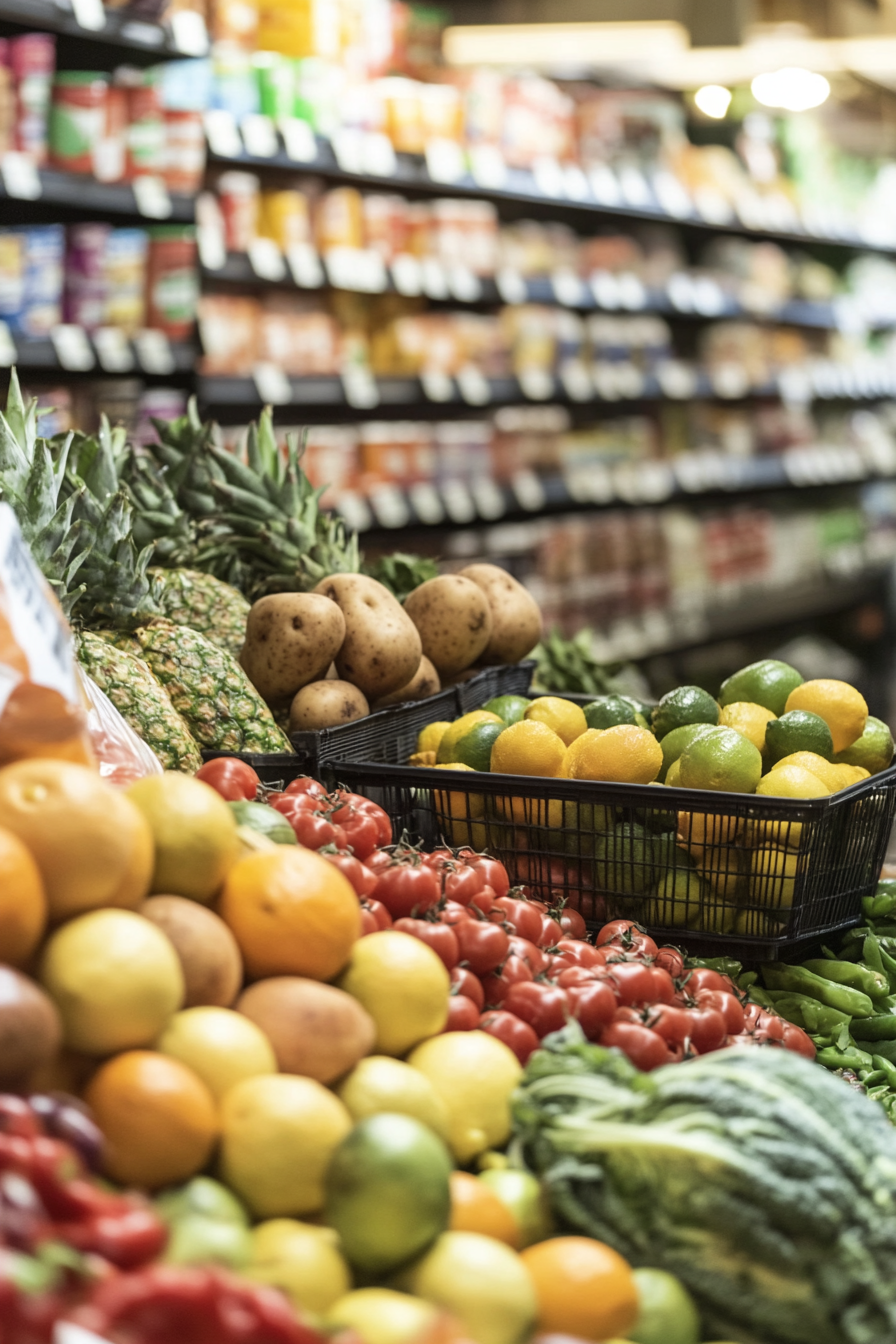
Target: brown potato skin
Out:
[316,1030]
[30,1029]
[205,947]
[516,616]
[423,683]
[381,650]
[291,639]
[326,704]
[454,620]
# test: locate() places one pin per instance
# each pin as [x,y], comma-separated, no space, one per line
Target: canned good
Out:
[85,275]
[238,196]
[32,60]
[110,150]
[285,218]
[184,151]
[172,282]
[77,118]
[145,132]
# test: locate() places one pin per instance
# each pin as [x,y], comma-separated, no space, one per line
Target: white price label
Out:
[151,195]
[7,347]
[259,136]
[677,380]
[635,188]
[605,185]
[89,14]
[113,351]
[549,179]
[348,148]
[709,298]
[671,195]
[298,139]
[488,498]
[189,32]
[445,161]
[437,386]
[210,245]
[154,352]
[712,206]
[458,504]
[465,286]
[378,155]
[488,167]
[72,348]
[20,176]
[511,286]
[390,506]
[426,503]
[370,271]
[304,263]
[222,134]
[605,288]
[575,183]
[632,294]
[680,288]
[407,276]
[576,380]
[536,384]
[473,386]
[435,281]
[272,384]
[266,260]
[568,289]
[355,510]
[360,389]
[529,491]
[730,381]
[356,268]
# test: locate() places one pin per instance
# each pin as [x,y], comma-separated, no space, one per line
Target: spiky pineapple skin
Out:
[214,608]
[141,700]
[208,688]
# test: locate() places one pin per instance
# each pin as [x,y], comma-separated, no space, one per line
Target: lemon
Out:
[773,877]
[721,759]
[220,1046]
[403,985]
[382,1316]
[840,705]
[686,704]
[847,775]
[302,1260]
[625,754]
[456,730]
[278,1133]
[816,765]
[379,1083]
[791,781]
[115,978]
[766,683]
[474,1074]
[873,750]
[460,814]
[573,751]
[678,899]
[798,730]
[528,748]
[563,717]
[724,870]
[674,743]
[746,718]
[194,830]
[430,737]
[480,1281]
[699,831]
[475,747]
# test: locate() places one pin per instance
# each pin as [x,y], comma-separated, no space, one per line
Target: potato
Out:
[291,639]
[326,704]
[516,616]
[381,650]
[453,617]
[424,682]
[316,1030]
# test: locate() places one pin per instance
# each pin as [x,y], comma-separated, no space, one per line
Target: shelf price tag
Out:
[511,286]
[359,269]
[671,195]
[348,148]
[154,352]
[8,352]
[298,139]
[189,32]
[473,386]
[113,351]
[222,134]
[89,14]
[20,176]
[680,289]
[635,188]
[435,281]
[568,288]
[259,136]
[355,510]
[549,179]
[390,506]
[437,386]
[605,185]
[426,502]
[632,294]
[575,183]
[465,286]
[266,260]
[210,244]
[488,167]
[445,161]
[151,196]
[407,276]
[488,498]
[458,504]
[576,380]
[378,155]
[605,288]
[304,263]
[677,380]
[536,384]
[730,380]
[272,384]
[360,389]
[529,491]
[72,348]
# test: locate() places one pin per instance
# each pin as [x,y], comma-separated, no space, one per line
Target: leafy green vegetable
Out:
[569,665]
[763,1182]
[402,573]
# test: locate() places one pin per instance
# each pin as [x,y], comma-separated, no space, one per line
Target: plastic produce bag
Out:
[122,756]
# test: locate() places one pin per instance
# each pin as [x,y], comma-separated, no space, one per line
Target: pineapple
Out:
[206,604]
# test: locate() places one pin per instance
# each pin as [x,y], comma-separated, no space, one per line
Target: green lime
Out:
[767,683]
[628,857]
[678,896]
[873,750]
[721,759]
[510,708]
[387,1193]
[667,1313]
[521,1193]
[203,1198]
[265,820]
[475,747]
[798,730]
[686,704]
[612,709]
[674,743]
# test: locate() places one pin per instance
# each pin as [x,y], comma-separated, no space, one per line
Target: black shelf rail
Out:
[124,33]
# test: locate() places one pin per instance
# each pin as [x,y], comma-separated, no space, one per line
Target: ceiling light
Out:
[793,89]
[557,44]
[713,100]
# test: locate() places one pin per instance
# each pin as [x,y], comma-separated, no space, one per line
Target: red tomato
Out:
[463,883]
[437,936]
[379,912]
[484,902]
[572,923]
[768,1028]
[482,945]
[438,858]
[516,1034]
[629,936]
[361,878]
[574,977]
[379,859]
[499,984]
[796,1039]
[669,1021]
[728,1005]
[361,830]
[452,913]
[232,778]
[305,784]
[671,960]
[368,922]
[633,981]
[532,955]
[312,828]
[592,1006]
[463,1014]
[544,1007]
[551,932]
[359,803]
[468,984]
[494,872]
[583,954]
[643,1047]
[707,1028]
[520,915]
[704,978]
[406,889]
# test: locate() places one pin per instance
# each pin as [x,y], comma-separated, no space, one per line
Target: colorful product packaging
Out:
[32,60]
[172,282]
[77,118]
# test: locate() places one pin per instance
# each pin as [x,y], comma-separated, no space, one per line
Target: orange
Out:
[158,1118]
[625,754]
[528,748]
[23,905]
[476,1208]
[583,1287]
[292,913]
[91,844]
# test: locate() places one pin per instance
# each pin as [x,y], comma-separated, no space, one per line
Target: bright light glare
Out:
[793,89]
[713,100]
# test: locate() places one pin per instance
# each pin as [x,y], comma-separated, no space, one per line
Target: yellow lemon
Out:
[383,1316]
[815,764]
[573,751]
[625,754]
[302,1260]
[403,985]
[748,719]
[773,877]
[474,1074]
[194,830]
[791,781]
[480,1281]
[456,730]
[430,737]
[379,1084]
[699,831]
[724,869]
[563,717]
[528,748]
[847,775]
[460,814]
[222,1047]
[840,705]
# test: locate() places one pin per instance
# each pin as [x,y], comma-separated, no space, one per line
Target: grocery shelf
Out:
[122,31]
[76,192]
[144,358]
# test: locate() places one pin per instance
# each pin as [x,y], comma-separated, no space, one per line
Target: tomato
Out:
[669,1021]
[516,1034]
[593,1006]
[544,1007]
[707,1028]
[484,902]
[520,915]
[463,1014]
[361,878]
[494,873]
[406,889]
[437,936]
[379,912]
[671,960]
[768,1028]
[305,784]
[633,981]
[572,923]
[438,858]
[704,978]
[312,827]
[466,983]
[452,913]
[499,984]
[796,1039]
[629,936]
[644,1047]
[368,922]
[551,932]
[378,860]
[461,884]
[572,977]
[482,945]
[359,803]
[532,955]
[728,1005]
[583,954]
[230,777]
[361,830]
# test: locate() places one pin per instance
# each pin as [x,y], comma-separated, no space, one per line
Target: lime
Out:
[798,730]
[612,709]
[510,708]
[265,820]
[721,759]
[873,750]
[458,729]
[766,683]
[202,1198]
[387,1192]
[627,859]
[667,1312]
[686,704]
[475,747]
[521,1193]
[674,743]
[678,899]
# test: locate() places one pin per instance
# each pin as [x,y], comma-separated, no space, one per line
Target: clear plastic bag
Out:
[121,755]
